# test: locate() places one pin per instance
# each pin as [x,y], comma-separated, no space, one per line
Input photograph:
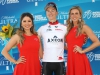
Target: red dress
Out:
[29,49]
[77,64]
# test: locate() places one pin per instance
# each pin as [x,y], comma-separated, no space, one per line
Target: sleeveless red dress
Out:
[29,49]
[77,64]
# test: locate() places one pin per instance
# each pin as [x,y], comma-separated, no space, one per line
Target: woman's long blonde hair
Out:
[21,31]
[80,23]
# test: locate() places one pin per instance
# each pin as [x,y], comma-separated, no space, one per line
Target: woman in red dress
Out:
[29,47]
[77,30]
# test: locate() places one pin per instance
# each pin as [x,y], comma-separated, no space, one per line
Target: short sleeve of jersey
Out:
[39,31]
[65,29]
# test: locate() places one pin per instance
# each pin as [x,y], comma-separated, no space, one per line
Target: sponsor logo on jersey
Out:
[49,28]
[59,29]
[55,39]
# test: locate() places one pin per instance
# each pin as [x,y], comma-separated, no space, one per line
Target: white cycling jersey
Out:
[53,42]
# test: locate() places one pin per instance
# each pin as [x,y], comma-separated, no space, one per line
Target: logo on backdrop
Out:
[65,57]
[97,57]
[8,19]
[5,62]
[91,56]
[39,18]
[97,33]
[91,14]
[62,15]
[3,2]
[34,0]
[1,41]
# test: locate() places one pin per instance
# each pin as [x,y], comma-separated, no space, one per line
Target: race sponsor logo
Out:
[97,33]
[93,57]
[62,15]
[39,18]
[97,56]
[3,2]
[8,19]
[5,62]
[91,14]
[35,0]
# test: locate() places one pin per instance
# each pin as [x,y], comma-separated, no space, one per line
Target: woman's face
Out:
[26,23]
[51,13]
[75,15]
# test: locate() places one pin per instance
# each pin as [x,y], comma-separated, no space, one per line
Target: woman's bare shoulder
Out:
[16,36]
[85,26]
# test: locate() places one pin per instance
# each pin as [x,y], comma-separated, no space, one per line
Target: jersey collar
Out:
[54,23]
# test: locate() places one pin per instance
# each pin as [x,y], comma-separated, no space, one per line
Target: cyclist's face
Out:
[51,13]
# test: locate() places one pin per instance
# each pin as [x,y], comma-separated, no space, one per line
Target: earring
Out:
[31,29]
[80,20]
[22,28]
[70,21]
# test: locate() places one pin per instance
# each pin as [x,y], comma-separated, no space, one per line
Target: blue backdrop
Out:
[10,11]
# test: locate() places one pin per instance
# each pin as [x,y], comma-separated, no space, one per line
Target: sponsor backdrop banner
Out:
[10,11]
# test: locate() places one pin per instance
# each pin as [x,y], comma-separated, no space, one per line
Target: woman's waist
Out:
[28,53]
[72,46]
[74,43]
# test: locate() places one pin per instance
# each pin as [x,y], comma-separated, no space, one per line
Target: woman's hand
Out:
[21,60]
[78,49]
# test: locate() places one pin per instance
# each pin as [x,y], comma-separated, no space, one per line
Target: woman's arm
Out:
[65,43]
[65,46]
[93,38]
[41,49]
[12,42]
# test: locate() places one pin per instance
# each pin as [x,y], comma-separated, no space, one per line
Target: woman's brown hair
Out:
[21,31]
